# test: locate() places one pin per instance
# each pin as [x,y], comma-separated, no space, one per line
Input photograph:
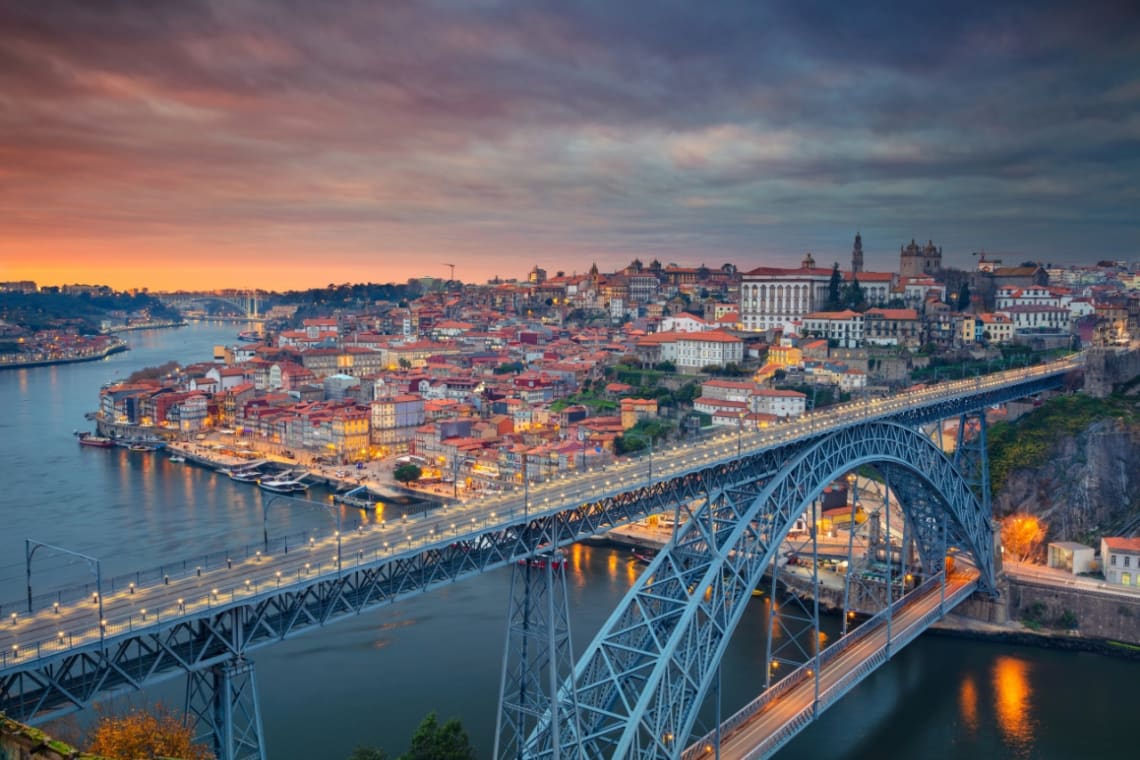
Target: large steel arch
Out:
[641,682]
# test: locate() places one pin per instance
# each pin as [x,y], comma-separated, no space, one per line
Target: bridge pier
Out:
[537,660]
[222,703]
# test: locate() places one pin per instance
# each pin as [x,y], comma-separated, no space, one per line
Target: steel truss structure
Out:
[222,703]
[652,663]
[642,680]
[538,655]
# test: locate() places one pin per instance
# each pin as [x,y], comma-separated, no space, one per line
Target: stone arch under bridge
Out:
[641,682]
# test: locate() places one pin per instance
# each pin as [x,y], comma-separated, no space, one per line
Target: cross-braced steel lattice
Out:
[222,704]
[538,657]
[642,680]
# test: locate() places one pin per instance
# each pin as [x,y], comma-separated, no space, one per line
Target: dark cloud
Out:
[717,129]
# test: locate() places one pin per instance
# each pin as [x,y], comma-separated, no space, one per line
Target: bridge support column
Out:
[222,703]
[538,658]
[793,624]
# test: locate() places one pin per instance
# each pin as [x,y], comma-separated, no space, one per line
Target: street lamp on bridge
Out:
[307,502]
[30,549]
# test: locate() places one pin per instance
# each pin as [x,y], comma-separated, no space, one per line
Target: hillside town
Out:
[513,380]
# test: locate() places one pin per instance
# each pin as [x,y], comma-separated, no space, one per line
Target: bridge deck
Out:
[763,727]
[419,548]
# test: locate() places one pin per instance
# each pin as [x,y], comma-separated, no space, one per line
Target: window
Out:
[1113,560]
[1127,561]
[1126,579]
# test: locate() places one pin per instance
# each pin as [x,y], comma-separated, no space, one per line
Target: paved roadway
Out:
[49,631]
[747,741]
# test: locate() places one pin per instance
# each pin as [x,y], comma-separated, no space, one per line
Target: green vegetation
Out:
[817,395]
[365,293]
[732,369]
[940,368]
[1068,620]
[82,312]
[1027,441]
[407,473]
[431,741]
[154,373]
[595,404]
[509,368]
[1034,616]
[638,437]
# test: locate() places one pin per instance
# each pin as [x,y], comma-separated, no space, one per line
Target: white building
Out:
[996,328]
[703,349]
[845,328]
[684,322]
[778,403]
[1044,318]
[775,297]
[1120,561]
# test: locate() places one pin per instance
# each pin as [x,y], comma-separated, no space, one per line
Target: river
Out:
[371,679]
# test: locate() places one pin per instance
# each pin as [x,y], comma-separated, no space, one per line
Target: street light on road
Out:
[335,509]
[30,548]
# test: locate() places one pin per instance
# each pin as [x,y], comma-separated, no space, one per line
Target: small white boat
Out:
[177,458]
[284,483]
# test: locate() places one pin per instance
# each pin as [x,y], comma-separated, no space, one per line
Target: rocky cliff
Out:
[1088,484]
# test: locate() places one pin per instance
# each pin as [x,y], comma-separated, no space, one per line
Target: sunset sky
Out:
[288,144]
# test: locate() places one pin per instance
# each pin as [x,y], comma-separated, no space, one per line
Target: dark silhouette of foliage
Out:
[432,741]
[407,473]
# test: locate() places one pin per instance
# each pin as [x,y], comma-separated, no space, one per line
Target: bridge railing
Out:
[598,485]
[165,573]
[867,628]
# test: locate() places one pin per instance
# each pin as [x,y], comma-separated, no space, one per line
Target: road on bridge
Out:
[749,740]
[55,629]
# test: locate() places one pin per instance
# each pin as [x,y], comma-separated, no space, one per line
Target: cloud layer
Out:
[372,140]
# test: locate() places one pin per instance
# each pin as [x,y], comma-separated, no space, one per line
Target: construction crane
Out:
[452,278]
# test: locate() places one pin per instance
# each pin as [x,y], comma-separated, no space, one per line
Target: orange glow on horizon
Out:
[160,265]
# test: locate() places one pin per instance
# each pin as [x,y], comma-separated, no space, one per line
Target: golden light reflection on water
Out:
[1012,697]
[576,556]
[968,703]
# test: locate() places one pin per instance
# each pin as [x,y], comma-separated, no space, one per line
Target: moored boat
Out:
[644,556]
[177,458]
[90,439]
[284,483]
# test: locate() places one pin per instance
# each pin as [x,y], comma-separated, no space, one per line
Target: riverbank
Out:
[102,353]
[958,626]
[145,326]
[338,479]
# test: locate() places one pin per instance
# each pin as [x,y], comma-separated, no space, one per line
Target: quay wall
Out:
[1110,615]
[96,356]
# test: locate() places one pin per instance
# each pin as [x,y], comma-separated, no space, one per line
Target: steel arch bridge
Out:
[636,691]
[245,301]
[640,684]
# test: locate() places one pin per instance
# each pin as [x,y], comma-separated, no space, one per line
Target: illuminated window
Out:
[1126,578]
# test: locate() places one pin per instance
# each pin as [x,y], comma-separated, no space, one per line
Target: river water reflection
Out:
[370,679]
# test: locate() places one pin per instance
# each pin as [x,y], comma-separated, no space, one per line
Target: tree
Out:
[964,296]
[407,473]
[1022,535]
[142,734]
[435,742]
[853,294]
[833,286]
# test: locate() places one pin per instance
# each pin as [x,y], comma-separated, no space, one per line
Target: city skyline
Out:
[285,145]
